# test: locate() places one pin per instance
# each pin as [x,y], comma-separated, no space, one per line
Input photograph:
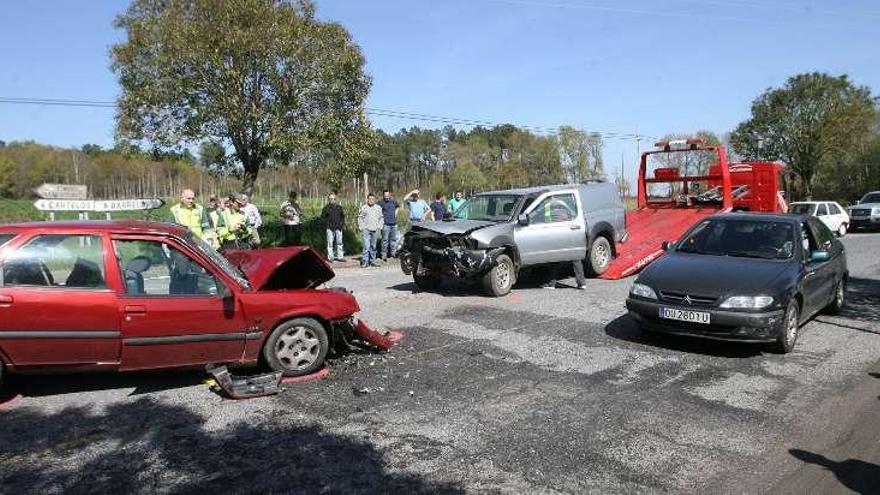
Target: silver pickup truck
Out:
[495,234]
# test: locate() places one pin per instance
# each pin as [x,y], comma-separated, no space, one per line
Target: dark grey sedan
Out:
[748,277]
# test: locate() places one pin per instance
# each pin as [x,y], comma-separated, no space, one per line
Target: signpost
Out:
[62,191]
[73,197]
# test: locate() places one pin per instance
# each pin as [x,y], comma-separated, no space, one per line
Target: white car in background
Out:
[830,213]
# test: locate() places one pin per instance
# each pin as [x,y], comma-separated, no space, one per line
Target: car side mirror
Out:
[819,256]
[522,219]
[666,245]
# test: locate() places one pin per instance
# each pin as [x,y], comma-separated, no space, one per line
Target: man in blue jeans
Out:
[333,217]
[390,207]
[370,223]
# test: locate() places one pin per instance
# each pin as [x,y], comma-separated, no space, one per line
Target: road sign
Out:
[100,205]
[62,191]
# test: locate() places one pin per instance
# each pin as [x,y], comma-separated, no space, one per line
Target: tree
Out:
[580,154]
[806,123]
[264,78]
[467,177]
[690,163]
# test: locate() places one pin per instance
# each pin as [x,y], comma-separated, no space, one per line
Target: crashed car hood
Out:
[712,275]
[454,227]
[281,268]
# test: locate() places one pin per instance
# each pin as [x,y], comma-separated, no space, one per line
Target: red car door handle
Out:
[6,299]
[135,310]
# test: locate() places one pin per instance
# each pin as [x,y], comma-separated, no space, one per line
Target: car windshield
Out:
[742,238]
[222,262]
[489,207]
[871,198]
[801,208]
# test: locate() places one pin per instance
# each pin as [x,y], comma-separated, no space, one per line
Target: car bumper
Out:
[724,325]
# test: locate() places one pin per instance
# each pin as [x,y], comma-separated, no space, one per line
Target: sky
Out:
[650,67]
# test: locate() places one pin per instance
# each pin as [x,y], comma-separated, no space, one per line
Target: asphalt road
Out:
[541,392]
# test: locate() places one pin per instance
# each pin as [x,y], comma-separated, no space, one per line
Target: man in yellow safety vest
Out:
[189,214]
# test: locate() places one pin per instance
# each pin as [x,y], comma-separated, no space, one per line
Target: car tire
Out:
[297,347]
[839,298]
[788,330]
[500,278]
[2,373]
[427,282]
[600,256]
[841,231]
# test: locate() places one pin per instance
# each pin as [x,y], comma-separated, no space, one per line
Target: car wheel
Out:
[297,347]
[500,279]
[841,231]
[427,282]
[600,256]
[839,298]
[788,331]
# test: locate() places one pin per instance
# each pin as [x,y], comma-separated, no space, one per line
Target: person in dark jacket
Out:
[334,219]
[438,207]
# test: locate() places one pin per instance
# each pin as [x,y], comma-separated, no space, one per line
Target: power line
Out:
[379,112]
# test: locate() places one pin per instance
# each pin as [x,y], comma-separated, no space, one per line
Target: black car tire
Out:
[500,278]
[839,298]
[787,336]
[2,373]
[427,282]
[600,256]
[293,333]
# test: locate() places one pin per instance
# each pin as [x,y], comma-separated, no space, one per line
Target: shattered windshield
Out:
[221,261]
[741,238]
[487,207]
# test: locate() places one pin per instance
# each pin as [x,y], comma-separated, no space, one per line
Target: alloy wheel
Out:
[298,348]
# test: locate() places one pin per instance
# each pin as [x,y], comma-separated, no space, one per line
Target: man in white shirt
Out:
[254,217]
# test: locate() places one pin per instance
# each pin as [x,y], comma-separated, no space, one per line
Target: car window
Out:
[870,198]
[555,208]
[153,268]
[833,209]
[823,236]
[802,208]
[740,238]
[4,238]
[57,260]
[822,211]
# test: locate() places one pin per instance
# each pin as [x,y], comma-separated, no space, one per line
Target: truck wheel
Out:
[427,282]
[297,347]
[600,256]
[500,279]
[788,330]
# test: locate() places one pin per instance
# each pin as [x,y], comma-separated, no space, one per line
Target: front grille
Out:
[861,213]
[687,299]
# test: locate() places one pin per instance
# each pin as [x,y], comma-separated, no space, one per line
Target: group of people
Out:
[231,222]
[234,222]
[380,217]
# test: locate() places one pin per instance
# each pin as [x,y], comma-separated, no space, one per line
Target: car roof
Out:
[812,202]
[540,189]
[100,226]
[769,217]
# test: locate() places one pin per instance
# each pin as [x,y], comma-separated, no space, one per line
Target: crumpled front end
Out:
[425,252]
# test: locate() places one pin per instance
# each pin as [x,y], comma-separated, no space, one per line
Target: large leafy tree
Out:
[264,78]
[580,154]
[806,123]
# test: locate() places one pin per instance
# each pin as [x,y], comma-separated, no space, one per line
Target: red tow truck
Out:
[670,201]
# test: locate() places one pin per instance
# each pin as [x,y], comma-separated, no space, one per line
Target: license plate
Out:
[684,315]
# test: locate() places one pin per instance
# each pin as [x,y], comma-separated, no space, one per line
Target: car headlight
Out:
[643,290]
[747,302]
[875,211]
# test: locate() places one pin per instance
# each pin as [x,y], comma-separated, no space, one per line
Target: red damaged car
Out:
[130,295]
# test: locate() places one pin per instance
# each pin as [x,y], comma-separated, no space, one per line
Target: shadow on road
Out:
[858,476]
[146,446]
[626,328]
[863,299]
[142,382]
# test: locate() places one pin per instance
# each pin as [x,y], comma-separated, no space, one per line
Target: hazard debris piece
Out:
[381,340]
[321,373]
[245,387]
[366,390]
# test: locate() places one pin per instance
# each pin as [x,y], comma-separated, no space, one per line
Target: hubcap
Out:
[502,273]
[791,330]
[297,348]
[601,255]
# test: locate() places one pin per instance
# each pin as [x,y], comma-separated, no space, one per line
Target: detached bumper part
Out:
[245,387]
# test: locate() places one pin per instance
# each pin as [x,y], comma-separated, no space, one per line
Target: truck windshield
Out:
[871,198]
[741,238]
[487,207]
